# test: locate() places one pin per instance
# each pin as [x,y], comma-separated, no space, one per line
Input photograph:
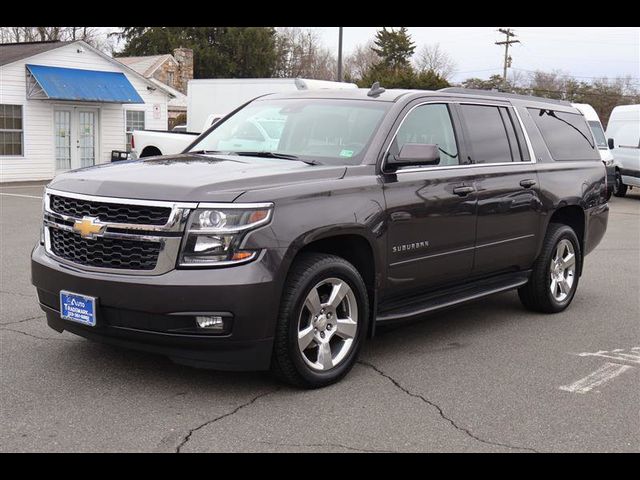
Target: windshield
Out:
[321,130]
[598,133]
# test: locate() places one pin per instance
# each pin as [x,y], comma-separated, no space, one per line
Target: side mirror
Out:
[415,154]
[610,142]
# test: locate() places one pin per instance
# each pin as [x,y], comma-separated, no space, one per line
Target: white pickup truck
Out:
[148,143]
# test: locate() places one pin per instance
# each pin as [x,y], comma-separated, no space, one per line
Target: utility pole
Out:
[507,59]
[340,54]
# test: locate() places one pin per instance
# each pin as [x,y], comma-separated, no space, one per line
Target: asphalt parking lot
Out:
[484,377]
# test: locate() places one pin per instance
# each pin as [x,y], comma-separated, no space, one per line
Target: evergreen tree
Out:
[219,52]
[395,48]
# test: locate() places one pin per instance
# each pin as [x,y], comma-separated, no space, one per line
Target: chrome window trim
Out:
[470,165]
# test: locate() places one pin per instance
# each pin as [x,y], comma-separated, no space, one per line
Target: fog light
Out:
[210,322]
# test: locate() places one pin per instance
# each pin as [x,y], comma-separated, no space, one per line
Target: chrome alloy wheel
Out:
[562,270]
[328,324]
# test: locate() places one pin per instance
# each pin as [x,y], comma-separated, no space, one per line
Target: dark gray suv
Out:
[292,228]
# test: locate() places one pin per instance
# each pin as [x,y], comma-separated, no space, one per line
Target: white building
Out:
[65,105]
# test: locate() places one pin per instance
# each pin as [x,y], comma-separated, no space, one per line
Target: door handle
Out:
[527,183]
[463,191]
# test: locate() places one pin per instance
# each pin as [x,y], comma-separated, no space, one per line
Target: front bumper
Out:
[156,313]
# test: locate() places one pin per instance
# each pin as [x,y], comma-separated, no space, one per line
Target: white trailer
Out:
[222,95]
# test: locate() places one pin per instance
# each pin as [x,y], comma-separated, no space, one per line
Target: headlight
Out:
[608,163]
[214,233]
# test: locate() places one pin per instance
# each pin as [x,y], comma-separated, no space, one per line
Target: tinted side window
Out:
[429,124]
[487,134]
[567,135]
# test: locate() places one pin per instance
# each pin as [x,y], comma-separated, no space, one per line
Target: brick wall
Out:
[184,57]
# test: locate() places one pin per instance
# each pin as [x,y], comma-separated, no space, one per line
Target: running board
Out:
[422,304]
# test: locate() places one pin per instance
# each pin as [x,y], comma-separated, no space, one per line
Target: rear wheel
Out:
[619,188]
[322,322]
[555,274]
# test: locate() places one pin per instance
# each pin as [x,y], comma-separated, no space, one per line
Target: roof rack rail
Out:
[498,94]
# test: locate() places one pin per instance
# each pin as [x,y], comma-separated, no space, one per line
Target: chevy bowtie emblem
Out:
[88,227]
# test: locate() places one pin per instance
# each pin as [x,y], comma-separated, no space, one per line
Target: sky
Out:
[583,52]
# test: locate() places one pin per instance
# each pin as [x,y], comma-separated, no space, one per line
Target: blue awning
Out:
[56,83]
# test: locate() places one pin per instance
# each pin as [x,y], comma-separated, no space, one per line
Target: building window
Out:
[11,132]
[170,79]
[135,121]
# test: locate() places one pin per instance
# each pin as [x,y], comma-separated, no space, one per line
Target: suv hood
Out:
[190,177]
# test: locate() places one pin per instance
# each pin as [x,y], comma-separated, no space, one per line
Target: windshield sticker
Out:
[346,153]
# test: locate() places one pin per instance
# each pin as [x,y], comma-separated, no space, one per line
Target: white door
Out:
[76,137]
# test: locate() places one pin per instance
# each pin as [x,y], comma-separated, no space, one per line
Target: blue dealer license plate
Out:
[78,308]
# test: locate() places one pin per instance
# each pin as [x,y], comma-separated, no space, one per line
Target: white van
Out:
[623,132]
[591,116]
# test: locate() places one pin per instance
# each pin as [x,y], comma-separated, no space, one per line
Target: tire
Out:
[537,294]
[308,368]
[619,188]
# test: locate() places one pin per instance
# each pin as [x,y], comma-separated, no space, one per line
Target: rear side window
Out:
[492,134]
[567,135]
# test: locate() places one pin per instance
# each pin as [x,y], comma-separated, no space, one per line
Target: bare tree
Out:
[91,35]
[358,64]
[549,84]
[301,54]
[433,58]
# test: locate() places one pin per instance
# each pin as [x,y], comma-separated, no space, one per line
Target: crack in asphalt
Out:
[346,447]
[187,437]
[23,320]
[441,411]
[35,336]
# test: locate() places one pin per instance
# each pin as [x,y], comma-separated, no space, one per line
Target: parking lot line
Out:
[19,195]
[601,376]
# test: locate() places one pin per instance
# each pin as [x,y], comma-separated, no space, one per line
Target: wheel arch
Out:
[355,244]
[150,151]
[574,217]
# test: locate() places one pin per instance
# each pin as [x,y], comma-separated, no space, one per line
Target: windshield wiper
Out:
[285,156]
[208,152]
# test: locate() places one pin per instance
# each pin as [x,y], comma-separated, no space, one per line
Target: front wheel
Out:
[322,322]
[555,274]
[619,188]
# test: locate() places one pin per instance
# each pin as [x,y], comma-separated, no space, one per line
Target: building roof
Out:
[146,65]
[12,52]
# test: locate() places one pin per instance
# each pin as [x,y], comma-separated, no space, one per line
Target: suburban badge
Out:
[410,246]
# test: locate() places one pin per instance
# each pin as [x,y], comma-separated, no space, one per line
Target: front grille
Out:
[110,212]
[104,252]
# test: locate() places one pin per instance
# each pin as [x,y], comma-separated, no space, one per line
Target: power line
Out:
[506,43]
[565,92]
[634,79]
